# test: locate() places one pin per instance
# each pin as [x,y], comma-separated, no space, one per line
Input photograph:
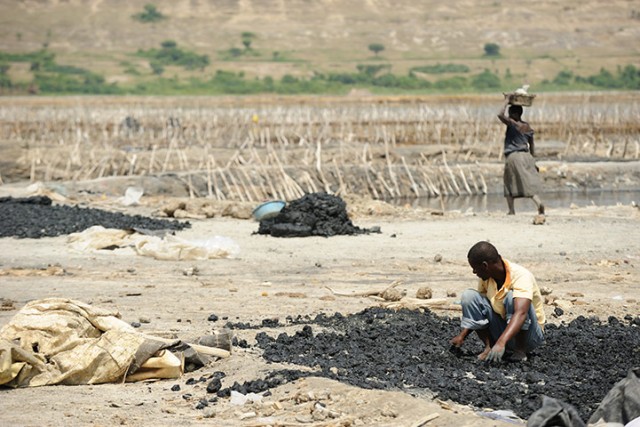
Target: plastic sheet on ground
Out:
[62,341]
[168,248]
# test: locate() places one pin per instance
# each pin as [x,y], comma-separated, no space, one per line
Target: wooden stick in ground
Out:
[319,167]
[371,186]
[209,351]
[265,173]
[414,186]
[342,190]
[464,181]
[365,293]
[424,421]
[209,183]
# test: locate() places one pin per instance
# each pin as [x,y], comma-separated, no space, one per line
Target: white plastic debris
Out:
[132,196]
[240,399]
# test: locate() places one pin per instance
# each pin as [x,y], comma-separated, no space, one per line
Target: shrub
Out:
[563,78]
[171,54]
[492,49]
[150,14]
[376,48]
[441,69]
[457,83]
[372,70]
[485,80]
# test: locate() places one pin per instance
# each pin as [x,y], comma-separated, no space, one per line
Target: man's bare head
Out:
[483,252]
[484,259]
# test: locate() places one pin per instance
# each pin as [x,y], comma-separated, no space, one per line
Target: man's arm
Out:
[458,340]
[520,310]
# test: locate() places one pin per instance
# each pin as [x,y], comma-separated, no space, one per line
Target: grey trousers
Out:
[477,313]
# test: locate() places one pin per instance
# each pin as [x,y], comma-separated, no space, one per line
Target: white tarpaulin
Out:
[166,248]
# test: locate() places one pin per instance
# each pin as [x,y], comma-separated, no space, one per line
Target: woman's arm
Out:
[503,115]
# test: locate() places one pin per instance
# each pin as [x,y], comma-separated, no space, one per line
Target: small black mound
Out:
[315,214]
[36,217]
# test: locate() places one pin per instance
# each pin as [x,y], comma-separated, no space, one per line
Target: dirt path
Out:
[588,256]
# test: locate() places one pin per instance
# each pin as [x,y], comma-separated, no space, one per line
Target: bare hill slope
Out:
[329,34]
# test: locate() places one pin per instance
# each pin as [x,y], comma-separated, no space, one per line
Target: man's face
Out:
[480,269]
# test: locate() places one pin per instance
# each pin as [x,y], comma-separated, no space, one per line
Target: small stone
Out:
[306,419]
[545,290]
[389,413]
[539,220]
[176,387]
[191,271]
[563,304]
[143,319]
[214,385]
[424,293]
[437,258]
[212,318]
[135,324]
[209,413]
[558,311]
[393,294]
[452,294]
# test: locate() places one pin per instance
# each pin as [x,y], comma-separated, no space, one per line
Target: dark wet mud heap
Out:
[408,350]
[36,217]
[315,214]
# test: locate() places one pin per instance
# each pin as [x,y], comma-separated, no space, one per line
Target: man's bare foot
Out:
[511,213]
[541,209]
[484,354]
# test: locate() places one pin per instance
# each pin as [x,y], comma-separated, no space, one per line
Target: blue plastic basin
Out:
[268,210]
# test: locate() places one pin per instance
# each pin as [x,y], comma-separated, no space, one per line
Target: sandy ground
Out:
[588,256]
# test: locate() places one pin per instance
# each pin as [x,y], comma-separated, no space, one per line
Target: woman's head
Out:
[515,112]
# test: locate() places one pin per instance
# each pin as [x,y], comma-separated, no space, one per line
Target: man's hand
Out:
[457,341]
[496,353]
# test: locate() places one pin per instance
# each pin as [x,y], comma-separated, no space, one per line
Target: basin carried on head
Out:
[268,210]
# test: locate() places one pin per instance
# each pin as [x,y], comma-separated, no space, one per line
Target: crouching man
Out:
[507,309]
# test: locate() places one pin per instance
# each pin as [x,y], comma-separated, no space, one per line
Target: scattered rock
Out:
[437,258]
[545,290]
[539,220]
[393,294]
[191,271]
[424,293]
[563,304]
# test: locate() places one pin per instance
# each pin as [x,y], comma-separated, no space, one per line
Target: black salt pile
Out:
[36,217]
[315,214]
[378,348]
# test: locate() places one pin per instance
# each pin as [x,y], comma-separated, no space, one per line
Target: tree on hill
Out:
[376,48]
[247,39]
[491,49]
[150,14]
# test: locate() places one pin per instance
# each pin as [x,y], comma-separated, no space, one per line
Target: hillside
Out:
[298,37]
